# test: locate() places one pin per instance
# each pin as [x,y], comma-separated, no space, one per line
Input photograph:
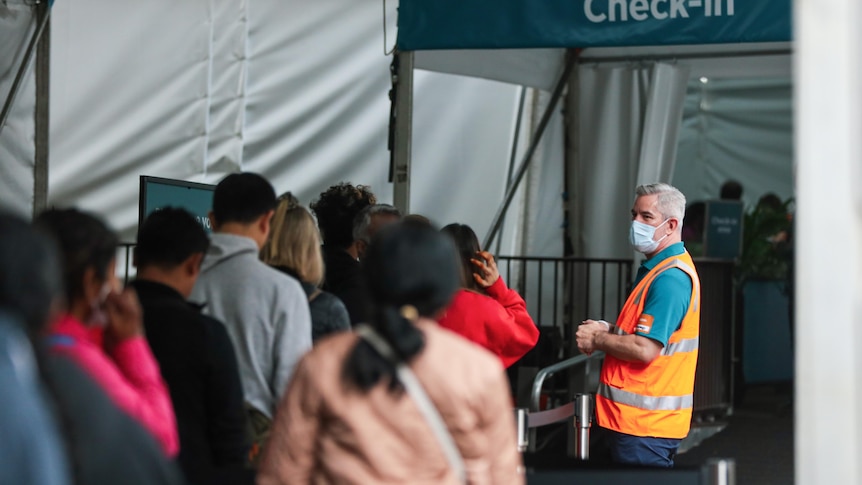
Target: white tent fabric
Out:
[767,59]
[622,108]
[127,100]
[740,129]
[537,68]
[661,123]
[17,149]
[295,91]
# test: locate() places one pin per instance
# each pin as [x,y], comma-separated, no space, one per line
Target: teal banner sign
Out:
[157,193]
[516,24]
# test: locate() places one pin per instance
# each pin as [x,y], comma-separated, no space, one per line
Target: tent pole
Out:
[513,156]
[42,116]
[534,144]
[402,78]
[43,13]
[572,211]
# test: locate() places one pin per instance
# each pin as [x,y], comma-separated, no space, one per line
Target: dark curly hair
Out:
[336,209]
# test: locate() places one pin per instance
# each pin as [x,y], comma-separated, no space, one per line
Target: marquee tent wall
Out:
[17,148]
[295,90]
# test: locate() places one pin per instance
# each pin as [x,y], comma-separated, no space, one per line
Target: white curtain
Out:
[17,150]
[629,121]
[664,104]
[740,129]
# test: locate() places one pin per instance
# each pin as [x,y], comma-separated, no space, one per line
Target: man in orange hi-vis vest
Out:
[646,389]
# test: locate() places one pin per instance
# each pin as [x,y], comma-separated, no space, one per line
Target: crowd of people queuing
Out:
[347,343]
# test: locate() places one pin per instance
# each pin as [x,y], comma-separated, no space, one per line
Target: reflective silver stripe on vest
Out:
[650,403]
[687,345]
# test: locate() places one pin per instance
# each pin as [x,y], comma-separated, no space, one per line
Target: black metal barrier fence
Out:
[562,292]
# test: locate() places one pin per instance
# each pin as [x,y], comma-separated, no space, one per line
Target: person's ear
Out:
[192,265]
[361,246]
[91,284]
[265,222]
[673,224]
[213,223]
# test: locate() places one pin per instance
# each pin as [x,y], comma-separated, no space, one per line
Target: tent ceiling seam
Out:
[681,56]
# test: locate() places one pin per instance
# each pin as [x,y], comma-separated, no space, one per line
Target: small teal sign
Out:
[157,192]
[490,24]
[723,229]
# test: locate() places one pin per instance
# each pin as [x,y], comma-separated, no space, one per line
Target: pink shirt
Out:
[129,375]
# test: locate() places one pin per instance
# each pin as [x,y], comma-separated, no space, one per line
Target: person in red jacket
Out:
[485,310]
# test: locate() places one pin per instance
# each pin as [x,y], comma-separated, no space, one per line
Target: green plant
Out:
[766,243]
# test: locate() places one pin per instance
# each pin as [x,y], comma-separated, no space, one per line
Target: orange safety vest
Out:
[653,399]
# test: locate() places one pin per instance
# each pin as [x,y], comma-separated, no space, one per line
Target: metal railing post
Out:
[523,429]
[719,471]
[583,422]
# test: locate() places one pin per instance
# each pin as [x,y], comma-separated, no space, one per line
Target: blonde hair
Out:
[294,242]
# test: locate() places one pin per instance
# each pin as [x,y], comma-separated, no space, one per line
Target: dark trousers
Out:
[636,450]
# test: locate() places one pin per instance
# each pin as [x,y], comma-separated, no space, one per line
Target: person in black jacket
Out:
[194,351]
[336,209]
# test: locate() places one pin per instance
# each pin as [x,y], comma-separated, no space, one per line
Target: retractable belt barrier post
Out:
[583,422]
[523,429]
[719,471]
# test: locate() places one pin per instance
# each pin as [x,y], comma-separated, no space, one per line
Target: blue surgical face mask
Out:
[641,236]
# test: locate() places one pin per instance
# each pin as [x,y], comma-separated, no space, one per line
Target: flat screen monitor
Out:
[157,192]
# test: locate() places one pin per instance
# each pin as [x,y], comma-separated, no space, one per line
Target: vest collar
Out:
[674,249]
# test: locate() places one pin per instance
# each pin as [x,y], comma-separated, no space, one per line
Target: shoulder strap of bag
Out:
[417,392]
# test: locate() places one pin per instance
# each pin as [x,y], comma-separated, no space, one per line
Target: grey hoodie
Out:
[265,313]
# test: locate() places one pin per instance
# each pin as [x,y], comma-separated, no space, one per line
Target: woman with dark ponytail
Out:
[399,400]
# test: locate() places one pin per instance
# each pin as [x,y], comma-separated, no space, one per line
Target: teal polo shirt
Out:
[668,296]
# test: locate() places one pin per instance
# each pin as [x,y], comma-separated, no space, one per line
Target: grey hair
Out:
[671,202]
[363,220]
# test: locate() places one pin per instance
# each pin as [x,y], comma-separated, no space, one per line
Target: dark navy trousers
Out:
[636,450]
